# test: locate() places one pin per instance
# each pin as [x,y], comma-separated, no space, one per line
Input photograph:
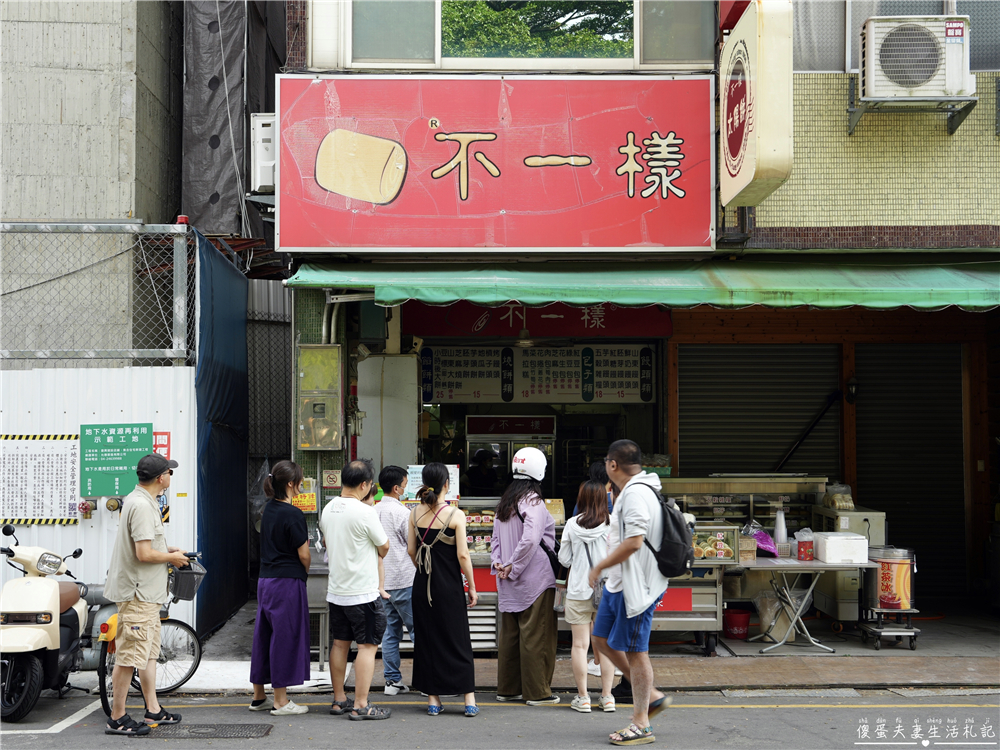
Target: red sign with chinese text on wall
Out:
[552,321]
[377,163]
[504,425]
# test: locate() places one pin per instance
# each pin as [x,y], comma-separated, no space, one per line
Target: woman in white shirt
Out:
[584,542]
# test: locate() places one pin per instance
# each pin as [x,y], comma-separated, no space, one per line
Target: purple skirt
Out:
[280,653]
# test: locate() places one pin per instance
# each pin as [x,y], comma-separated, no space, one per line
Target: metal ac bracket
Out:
[956,107]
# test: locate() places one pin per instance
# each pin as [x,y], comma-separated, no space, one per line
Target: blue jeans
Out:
[399,612]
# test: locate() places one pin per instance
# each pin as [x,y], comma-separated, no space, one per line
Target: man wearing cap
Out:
[137,582]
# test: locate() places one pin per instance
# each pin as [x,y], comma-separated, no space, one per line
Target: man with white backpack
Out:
[634,587]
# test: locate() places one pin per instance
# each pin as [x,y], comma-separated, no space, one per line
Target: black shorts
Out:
[361,623]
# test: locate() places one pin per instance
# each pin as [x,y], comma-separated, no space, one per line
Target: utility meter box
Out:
[320,413]
[262,153]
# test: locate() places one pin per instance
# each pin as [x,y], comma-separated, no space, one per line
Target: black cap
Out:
[151,466]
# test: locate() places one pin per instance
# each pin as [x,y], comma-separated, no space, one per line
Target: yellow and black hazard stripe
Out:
[165,513]
[41,521]
[39,437]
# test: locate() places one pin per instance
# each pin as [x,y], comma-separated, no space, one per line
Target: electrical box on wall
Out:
[320,412]
[262,152]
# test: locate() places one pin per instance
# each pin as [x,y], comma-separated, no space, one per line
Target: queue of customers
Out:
[390,568]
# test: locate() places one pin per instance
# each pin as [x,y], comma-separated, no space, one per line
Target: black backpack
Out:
[676,553]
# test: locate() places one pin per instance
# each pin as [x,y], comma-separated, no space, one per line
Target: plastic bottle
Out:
[780,531]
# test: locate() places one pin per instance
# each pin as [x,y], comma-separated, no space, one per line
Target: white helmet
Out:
[529,463]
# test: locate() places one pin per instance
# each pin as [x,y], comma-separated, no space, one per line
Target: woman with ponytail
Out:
[442,655]
[280,654]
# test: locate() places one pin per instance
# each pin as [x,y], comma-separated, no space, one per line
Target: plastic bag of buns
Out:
[838,497]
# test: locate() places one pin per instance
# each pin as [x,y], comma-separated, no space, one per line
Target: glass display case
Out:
[715,544]
[741,499]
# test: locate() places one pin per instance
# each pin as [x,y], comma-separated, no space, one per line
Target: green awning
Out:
[805,281]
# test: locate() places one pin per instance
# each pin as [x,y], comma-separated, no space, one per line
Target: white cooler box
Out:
[840,547]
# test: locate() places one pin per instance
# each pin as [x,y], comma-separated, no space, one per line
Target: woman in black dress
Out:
[442,655]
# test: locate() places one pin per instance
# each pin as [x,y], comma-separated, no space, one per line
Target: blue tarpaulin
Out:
[221,392]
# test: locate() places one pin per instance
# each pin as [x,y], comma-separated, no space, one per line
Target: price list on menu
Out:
[606,373]
[38,477]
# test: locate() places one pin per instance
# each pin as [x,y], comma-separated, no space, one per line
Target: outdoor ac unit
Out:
[916,56]
[262,132]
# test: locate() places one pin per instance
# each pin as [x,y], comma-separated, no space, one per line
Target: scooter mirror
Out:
[77,552]
[8,530]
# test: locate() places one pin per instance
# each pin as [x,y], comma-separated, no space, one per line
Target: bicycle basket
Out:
[183,583]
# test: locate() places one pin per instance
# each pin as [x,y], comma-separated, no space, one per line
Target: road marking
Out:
[676,705]
[57,728]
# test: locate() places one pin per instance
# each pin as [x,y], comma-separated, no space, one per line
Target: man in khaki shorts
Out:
[137,582]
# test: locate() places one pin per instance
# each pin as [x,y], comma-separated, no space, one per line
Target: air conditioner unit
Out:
[922,57]
[262,153]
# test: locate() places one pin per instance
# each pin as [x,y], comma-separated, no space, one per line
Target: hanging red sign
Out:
[552,321]
[588,163]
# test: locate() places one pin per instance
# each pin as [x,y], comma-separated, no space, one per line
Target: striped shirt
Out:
[399,570]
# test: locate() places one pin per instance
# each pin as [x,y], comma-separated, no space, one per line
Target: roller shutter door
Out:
[910,455]
[743,406]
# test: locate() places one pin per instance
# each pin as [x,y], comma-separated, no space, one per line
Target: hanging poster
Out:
[605,373]
[38,478]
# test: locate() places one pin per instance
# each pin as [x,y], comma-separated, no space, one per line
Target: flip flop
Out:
[657,706]
[632,735]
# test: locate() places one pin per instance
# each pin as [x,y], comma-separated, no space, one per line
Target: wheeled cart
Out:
[878,623]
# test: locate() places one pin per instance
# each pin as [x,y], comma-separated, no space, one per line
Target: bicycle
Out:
[180,647]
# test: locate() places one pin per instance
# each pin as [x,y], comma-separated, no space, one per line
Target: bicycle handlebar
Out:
[192,555]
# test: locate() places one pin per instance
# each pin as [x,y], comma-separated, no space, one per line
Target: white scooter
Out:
[41,624]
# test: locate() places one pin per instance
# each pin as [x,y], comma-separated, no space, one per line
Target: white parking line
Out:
[57,728]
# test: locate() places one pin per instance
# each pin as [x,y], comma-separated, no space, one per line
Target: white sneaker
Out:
[606,703]
[290,709]
[581,703]
[544,701]
[395,688]
[267,705]
[594,668]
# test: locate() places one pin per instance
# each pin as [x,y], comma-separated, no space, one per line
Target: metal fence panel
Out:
[96,295]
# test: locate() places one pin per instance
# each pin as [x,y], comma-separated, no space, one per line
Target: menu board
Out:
[414,480]
[605,373]
[38,478]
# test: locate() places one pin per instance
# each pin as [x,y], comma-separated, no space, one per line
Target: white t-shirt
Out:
[614,581]
[352,534]
[639,513]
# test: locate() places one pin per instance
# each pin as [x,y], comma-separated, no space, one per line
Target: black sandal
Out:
[163,717]
[339,708]
[126,725]
[371,711]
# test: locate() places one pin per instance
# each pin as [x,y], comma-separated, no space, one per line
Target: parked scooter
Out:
[42,622]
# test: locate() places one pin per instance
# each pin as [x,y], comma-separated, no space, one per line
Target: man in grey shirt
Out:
[137,583]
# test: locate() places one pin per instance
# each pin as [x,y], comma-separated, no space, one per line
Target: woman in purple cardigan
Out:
[525,585]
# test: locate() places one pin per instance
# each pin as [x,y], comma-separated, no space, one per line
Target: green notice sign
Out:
[108,457]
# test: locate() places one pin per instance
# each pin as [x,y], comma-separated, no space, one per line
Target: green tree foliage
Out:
[530,28]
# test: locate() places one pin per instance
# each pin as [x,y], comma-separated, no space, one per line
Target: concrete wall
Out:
[90,127]
[158,109]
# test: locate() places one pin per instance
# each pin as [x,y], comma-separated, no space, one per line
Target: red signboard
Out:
[501,425]
[378,163]
[676,600]
[161,444]
[552,321]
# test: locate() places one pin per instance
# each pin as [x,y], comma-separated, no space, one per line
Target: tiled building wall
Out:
[899,181]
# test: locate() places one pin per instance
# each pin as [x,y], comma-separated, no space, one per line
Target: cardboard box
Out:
[840,547]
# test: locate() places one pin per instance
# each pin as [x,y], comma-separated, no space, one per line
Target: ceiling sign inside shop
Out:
[605,373]
[557,320]
[505,425]
[756,104]
[386,163]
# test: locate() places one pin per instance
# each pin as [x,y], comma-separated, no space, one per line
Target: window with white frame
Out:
[827,31]
[514,34]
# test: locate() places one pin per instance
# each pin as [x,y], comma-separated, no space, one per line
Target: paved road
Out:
[696,721]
